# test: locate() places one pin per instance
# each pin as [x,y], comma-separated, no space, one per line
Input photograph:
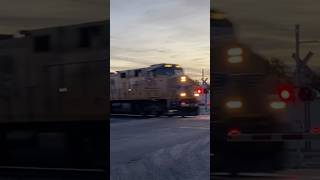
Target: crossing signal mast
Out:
[303,74]
[205,89]
[304,77]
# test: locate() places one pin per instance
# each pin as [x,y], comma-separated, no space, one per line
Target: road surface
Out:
[160,148]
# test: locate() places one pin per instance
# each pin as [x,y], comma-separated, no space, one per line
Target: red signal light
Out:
[315,130]
[199,90]
[306,94]
[286,92]
[234,132]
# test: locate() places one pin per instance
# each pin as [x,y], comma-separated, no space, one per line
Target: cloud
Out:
[161,31]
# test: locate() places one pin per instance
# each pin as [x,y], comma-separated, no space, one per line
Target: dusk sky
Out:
[146,32]
[268,26]
[16,14]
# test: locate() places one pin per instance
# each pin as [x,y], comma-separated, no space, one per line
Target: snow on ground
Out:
[188,161]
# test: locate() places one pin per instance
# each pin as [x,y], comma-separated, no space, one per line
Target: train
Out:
[247,98]
[243,81]
[160,89]
[53,97]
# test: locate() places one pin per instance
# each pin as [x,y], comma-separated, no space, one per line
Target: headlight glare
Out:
[183,79]
[234,104]
[183,94]
[278,105]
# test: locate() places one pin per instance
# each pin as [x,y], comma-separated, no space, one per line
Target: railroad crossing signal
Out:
[303,72]
[302,69]
[205,89]
[199,90]
[204,83]
[205,86]
[306,94]
[286,92]
[304,61]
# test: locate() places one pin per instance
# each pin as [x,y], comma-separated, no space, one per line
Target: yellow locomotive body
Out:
[243,85]
[53,97]
[245,101]
[158,89]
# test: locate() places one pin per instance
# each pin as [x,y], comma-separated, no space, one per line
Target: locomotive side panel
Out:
[14,88]
[139,88]
[63,82]
[53,97]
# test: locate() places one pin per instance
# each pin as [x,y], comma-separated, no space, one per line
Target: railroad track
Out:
[131,116]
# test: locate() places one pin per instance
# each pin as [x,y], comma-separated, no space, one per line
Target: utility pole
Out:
[202,75]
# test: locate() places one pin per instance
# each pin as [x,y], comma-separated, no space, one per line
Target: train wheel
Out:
[145,114]
[144,111]
[161,112]
[155,110]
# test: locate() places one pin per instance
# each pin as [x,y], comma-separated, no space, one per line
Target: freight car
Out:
[161,89]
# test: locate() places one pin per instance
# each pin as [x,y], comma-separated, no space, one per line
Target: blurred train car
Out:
[53,97]
[245,100]
[244,83]
[161,89]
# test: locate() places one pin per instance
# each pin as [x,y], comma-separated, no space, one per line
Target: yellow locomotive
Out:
[244,87]
[161,89]
[245,100]
[53,97]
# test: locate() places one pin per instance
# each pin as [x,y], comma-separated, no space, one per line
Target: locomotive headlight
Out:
[235,59]
[278,105]
[235,55]
[183,79]
[235,52]
[183,94]
[234,104]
